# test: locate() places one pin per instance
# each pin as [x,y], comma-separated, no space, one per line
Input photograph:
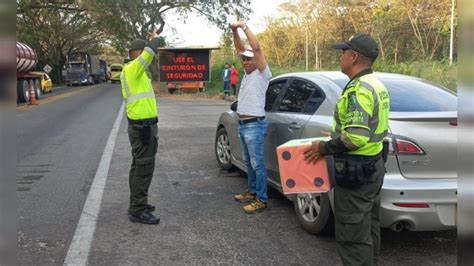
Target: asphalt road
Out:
[60,145]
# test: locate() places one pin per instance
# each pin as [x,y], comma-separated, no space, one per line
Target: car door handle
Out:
[294,126]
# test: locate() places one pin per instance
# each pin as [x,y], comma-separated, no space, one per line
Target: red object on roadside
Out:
[31,94]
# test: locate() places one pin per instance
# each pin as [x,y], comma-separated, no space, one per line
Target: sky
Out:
[198,32]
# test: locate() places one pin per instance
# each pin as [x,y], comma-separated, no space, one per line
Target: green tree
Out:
[126,20]
[54,30]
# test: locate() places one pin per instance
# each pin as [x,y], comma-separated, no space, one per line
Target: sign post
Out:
[47,68]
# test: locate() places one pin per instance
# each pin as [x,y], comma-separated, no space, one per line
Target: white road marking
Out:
[78,252]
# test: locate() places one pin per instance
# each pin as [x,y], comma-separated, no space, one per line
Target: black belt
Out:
[251,120]
[149,121]
[361,157]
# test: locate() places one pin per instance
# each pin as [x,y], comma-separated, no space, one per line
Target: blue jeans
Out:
[252,136]
[226,87]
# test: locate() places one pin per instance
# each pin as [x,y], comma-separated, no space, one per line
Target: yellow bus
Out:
[115,70]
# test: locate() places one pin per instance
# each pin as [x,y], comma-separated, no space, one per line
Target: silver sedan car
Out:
[420,186]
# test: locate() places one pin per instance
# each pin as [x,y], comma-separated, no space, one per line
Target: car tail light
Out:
[411,205]
[408,147]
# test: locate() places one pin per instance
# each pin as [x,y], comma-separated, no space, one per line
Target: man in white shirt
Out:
[251,115]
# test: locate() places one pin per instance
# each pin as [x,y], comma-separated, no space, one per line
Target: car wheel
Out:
[314,214]
[222,149]
[171,91]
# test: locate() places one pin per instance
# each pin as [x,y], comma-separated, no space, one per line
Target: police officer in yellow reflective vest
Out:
[142,115]
[359,127]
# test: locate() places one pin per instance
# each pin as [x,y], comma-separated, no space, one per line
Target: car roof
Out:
[335,75]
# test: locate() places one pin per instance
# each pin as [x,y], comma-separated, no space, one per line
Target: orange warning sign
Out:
[298,176]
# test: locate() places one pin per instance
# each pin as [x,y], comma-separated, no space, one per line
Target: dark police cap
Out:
[137,45]
[362,43]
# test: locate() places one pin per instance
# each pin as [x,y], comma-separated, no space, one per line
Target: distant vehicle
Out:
[103,71]
[115,71]
[46,84]
[178,86]
[82,69]
[419,192]
[26,59]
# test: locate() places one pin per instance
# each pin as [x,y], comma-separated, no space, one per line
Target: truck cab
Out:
[82,69]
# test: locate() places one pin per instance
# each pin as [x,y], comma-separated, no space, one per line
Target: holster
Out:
[352,170]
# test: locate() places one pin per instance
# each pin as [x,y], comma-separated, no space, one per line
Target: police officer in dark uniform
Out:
[359,128]
[142,116]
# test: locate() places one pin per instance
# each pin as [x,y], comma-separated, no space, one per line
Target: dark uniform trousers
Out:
[357,224]
[143,166]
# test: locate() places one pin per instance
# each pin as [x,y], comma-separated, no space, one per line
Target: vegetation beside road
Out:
[437,71]
[414,38]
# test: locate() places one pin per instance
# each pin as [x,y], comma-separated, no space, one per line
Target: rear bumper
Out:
[439,194]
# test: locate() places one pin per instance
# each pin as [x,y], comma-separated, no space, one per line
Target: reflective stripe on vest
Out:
[130,98]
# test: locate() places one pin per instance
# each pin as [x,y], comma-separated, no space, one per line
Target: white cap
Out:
[247,53]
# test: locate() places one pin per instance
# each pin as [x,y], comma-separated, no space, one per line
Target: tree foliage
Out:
[126,20]
[406,30]
[53,31]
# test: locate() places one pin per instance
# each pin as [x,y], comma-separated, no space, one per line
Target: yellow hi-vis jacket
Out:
[137,90]
[361,116]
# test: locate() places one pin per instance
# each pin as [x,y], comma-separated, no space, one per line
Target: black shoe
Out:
[145,218]
[150,208]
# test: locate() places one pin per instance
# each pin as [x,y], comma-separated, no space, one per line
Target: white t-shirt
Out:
[252,92]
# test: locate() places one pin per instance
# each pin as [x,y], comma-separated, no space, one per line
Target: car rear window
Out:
[415,95]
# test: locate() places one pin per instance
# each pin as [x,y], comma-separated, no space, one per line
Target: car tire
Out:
[314,213]
[171,91]
[22,90]
[222,149]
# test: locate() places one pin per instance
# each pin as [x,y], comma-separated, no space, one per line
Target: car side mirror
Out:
[233,106]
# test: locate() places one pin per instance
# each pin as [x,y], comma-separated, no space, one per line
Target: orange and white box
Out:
[298,176]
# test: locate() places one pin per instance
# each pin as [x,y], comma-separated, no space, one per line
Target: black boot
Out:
[144,218]
[150,208]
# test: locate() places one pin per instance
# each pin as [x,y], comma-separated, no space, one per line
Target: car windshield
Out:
[77,66]
[415,95]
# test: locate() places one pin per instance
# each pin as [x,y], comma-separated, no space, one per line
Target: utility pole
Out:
[306,56]
[452,33]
